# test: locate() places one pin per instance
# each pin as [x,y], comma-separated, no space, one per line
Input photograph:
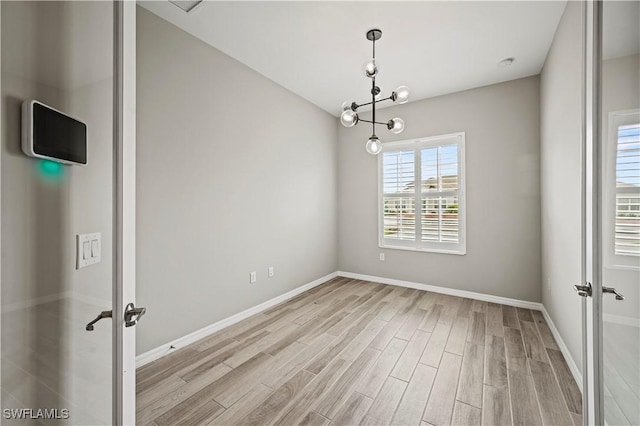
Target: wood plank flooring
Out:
[354,352]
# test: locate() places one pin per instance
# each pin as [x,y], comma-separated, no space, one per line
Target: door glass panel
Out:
[53,370]
[620,125]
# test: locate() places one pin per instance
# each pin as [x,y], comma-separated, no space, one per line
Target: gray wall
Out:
[502,184]
[560,128]
[234,174]
[58,53]
[41,217]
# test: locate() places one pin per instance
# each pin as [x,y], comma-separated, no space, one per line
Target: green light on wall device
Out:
[349,116]
[51,170]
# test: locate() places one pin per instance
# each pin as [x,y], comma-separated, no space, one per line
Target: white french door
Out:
[612,214]
[68,329]
[124,290]
[592,285]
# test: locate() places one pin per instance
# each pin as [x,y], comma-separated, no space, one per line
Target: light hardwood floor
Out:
[354,352]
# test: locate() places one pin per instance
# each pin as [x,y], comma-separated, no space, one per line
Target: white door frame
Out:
[0,189]
[124,252]
[123,384]
[593,403]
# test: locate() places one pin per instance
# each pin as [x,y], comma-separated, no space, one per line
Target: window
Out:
[627,223]
[421,195]
[621,191]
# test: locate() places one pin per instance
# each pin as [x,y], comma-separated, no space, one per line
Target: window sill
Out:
[462,252]
[619,267]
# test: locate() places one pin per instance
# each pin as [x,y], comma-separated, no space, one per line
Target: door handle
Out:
[132,314]
[103,314]
[583,290]
[612,290]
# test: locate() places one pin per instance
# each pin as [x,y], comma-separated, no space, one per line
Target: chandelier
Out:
[349,116]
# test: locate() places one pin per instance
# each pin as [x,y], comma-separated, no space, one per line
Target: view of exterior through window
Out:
[627,216]
[422,200]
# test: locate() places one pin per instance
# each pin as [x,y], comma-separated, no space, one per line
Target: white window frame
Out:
[417,145]
[609,191]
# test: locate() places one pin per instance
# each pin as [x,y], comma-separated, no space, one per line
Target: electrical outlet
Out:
[381,256]
[253,277]
[270,272]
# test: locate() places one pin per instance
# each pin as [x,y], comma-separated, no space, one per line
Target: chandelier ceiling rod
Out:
[349,116]
[374,36]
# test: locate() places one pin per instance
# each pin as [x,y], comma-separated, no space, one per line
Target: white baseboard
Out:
[89,300]
[577,374]
[621,320]
[444,290]
[30,303]
[183,341]
[163,350]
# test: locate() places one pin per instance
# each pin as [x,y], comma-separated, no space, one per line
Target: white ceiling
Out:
[621,29]
[317,49]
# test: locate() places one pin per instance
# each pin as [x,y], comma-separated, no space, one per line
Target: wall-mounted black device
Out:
[50,134]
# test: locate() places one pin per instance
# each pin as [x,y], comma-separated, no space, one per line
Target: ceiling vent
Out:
[186,5]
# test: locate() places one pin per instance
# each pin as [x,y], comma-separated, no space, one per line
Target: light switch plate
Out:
[88,249]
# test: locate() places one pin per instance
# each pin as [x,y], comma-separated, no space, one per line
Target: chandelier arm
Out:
[374,122]
[375,101]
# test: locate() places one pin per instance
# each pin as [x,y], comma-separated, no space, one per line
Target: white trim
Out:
[30,303]
[592,243]
[575,371]
[424,250]
[416,145]
[1,127]
[621,320]
[36,301]
[432,140]
[444,290]
[89,300]
[577,375]
[610,191]
[181,342]
[124,232]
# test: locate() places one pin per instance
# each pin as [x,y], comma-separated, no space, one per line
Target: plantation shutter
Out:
[627,210]
[398,202]
[440,201]
[421,194]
